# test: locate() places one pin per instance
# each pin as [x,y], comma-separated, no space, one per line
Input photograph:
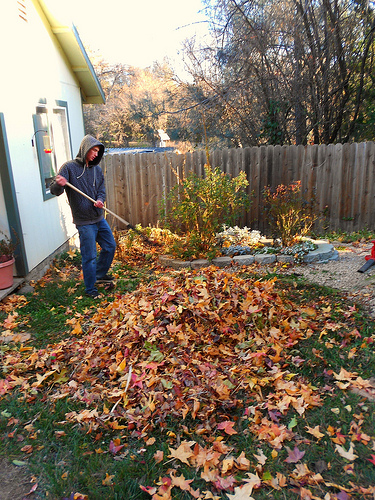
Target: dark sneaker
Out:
[93,295]
[107,278]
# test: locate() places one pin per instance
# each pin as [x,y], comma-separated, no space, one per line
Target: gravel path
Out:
[343,274]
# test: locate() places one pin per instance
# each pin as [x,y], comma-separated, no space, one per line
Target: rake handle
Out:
[94,201]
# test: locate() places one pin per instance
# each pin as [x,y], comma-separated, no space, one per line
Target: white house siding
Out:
[33,67]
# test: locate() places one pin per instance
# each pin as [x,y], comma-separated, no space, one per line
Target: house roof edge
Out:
[75,54]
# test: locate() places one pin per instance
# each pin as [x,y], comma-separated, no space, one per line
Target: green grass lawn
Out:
[181,384]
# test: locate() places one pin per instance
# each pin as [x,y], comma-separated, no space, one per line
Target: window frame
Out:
[48,161]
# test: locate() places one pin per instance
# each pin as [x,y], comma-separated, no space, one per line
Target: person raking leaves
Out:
[85,174]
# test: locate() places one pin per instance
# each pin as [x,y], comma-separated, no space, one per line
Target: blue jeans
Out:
[94,267]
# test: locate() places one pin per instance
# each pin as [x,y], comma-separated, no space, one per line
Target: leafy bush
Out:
[237,250]
[299,250]
[239,241]
[197,208]
[290,217]
[7,248]
[238,236]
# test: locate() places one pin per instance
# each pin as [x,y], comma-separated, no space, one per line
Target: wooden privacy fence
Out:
[339,177]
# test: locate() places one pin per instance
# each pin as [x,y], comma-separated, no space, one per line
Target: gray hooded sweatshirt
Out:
[88,179]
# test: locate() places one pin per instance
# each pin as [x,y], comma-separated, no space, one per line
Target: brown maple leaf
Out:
[181,482]
[314,431]
[183,452]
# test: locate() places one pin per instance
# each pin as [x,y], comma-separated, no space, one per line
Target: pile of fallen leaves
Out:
[194,345]
[205,349]
[143,248]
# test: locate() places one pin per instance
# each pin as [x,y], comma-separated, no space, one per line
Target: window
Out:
[52,140]
[61,136]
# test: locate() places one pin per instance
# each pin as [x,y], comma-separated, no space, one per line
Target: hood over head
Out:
[87,143]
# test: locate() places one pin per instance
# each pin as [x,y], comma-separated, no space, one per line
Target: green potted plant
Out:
[7,248]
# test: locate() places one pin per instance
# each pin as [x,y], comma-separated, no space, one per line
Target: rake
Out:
[130,226]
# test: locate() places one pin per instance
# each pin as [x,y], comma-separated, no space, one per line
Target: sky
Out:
[136,32]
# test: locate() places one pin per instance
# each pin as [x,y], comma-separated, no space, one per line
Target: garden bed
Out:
[324,252]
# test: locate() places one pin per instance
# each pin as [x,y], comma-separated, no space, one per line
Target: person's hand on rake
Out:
[60,180]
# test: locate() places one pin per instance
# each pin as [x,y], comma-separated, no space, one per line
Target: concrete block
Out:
[243,260]
[285,259]
[311,257]
[324,258]
[180,264]
[323,252]
[222,261]
[265,258]
[165,260]
[25,289]
[197,264]
[335,255]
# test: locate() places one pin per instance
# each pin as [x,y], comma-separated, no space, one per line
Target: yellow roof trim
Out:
[75,54]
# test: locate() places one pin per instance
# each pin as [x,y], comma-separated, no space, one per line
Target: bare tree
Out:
[287,72]
[135,104]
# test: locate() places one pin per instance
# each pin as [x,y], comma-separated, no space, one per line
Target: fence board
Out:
[277,164]
[214,158]
[312,174]
[144,189]
[365,187]
[244,160]
[161,168]
[269,166]
[291,160]
[303,171]
[224,160]
[109,185]
[335,184]
[340,177]
[133,180]
[234,161]
[370,207]
[284,166]
[121,197]
[354,166]
[323,169]
[326,163]
[345,186]
[357,184]
[255,188]
[199,161]
[188,166]
[298,166]
[153,195]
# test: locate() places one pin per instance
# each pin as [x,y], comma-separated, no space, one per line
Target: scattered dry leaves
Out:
[193,347]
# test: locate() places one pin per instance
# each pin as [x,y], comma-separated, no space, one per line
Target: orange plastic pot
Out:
[6,274]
